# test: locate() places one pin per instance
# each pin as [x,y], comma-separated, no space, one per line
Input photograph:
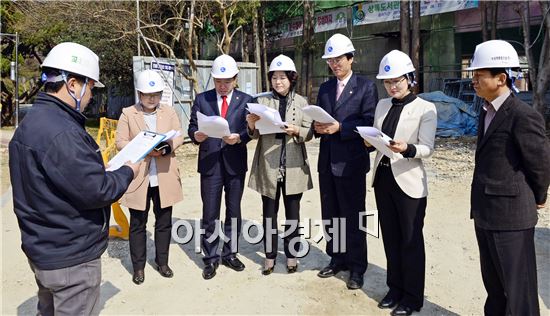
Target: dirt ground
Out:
[453,279]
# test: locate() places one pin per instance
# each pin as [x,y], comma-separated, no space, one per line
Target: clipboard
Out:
[136,149]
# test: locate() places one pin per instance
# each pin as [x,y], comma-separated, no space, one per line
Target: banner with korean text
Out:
[388,10]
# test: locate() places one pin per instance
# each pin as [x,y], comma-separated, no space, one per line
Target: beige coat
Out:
[131,122]
[265,166]
[416,125]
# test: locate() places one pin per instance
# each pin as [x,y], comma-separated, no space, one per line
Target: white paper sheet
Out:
[379,140]
[270,121]
[171,134]
[213,126]
[318,114]
[136,149]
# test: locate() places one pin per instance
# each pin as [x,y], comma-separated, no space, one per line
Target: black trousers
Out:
[163,230]
[509,271]
[343,198]
[401,220]
[291,231]
[211,194]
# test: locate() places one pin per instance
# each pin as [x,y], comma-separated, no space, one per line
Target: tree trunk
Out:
[404,26]
[483,12]
[244,42]
[494,18]
[522,8]
[226,42]
[307,43]
[264,50]
[543,77]
[257,52]
[415,45]
[192,77]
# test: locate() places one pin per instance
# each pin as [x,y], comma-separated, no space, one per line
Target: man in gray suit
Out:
[511,178]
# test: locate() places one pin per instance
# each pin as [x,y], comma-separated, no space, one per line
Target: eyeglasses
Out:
[152,95]
[336,60]
[393,83]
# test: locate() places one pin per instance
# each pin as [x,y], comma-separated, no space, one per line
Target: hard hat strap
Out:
[52,78]
[82,92]
[512,77]
[410,78]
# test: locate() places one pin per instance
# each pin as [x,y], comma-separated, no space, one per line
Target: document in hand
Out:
[213,126]
[171,134]
[379,140]
[318,114]
[270,121]
[136,149]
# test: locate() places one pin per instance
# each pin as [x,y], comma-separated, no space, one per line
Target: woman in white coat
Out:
[400,184]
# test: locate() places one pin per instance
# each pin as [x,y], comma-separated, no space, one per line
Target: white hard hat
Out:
[282,63]
[224,67]
[394,65]
[76,59]
[338,45]
[149,81]
[494,54]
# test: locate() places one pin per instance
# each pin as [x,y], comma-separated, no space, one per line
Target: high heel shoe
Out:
[269,266]
[291,265]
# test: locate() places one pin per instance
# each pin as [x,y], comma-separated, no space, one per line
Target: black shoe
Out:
[268,270]
[330,270]
[209,270]
[233,263]
[292,269]
[355,281]
[138,277]
[291,265]
[389,301]
[403,310]
[165,271]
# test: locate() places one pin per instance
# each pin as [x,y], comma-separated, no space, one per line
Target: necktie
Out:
[339,89]
[489,116]
[224,105]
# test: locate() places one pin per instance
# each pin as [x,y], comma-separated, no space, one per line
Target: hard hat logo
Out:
[222,69]
[279,63]
[152,83]
[329,49]
[387,68]
[75,59]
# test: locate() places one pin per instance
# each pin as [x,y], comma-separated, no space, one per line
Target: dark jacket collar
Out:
[46,99]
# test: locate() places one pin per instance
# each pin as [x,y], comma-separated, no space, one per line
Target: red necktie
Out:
[224,105]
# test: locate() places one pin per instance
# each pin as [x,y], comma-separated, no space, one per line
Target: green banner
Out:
[331,4]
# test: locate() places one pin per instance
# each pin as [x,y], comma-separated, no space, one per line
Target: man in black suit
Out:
[222,165]
[344,160]
[511,178]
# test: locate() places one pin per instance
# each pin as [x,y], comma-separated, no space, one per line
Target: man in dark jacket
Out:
[344,161]
[511,177]
[222,165]
[61,191]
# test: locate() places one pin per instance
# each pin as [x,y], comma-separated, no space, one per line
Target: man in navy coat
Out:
[222,165]
[344,161]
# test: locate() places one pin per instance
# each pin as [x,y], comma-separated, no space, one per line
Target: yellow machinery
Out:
[107,129]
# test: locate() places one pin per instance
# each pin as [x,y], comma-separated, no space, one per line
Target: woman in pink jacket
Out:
[158,179]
